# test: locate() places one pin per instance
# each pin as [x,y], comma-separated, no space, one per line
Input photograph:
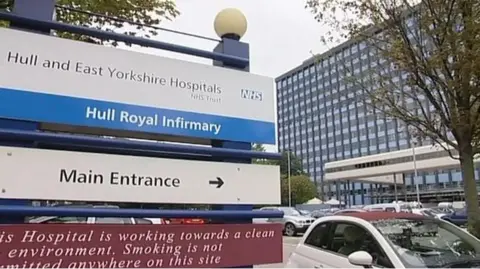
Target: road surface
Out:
[289,244]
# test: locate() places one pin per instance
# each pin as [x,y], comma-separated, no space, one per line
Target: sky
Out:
[281,33]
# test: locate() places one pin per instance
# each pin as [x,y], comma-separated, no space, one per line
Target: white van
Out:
[445,205]
[389,207]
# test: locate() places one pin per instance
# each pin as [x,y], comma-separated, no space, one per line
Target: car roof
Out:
[352,210]
[373,216]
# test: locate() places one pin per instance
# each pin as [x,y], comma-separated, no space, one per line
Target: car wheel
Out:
[290,229]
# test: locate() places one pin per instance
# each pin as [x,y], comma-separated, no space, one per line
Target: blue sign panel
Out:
[40,107]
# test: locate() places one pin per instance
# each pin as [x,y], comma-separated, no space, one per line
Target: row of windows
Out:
[426,156]
[301,110]
[390,189]
[358,49]
[427,181]
[370,164]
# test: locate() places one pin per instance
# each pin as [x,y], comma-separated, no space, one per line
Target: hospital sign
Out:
[73,83]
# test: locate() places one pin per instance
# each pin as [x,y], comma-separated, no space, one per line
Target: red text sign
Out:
[138,246]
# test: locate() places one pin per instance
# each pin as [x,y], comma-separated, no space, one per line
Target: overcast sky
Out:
[281,33]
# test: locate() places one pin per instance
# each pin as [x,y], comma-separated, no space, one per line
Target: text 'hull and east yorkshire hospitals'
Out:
[63,175]
[131,91]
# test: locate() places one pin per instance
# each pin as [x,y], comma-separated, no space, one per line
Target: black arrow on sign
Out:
[219,182]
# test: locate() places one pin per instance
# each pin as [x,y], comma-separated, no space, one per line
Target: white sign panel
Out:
[76,83]
[62,175]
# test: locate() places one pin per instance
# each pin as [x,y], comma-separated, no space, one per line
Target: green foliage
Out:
[258,147]
[5,6]
[144,12]
[261,148]
[433,46]
[303,189]
[296,167]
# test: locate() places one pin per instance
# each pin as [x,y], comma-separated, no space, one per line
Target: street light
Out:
[230,23]
[289,180]
[415,172]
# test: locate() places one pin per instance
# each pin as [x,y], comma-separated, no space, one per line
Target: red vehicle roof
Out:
[380,215]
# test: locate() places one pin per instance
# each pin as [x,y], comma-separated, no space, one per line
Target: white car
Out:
[96,220]
[385,240]
[293,221]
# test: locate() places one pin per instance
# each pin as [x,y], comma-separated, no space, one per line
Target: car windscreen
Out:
[290,211]
[429,243]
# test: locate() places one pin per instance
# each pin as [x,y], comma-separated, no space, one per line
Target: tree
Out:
[261,148]
[258,147]
[432,46]
[296,167]
[140,13]
[5,3]
[303,189]
[5,6]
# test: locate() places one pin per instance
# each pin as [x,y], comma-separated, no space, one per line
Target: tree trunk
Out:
[470,188]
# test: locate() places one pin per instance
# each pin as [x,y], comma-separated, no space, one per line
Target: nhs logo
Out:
[251,94]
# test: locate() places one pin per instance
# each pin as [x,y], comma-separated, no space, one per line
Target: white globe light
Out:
[230,21]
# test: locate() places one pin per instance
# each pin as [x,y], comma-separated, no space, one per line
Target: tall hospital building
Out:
[322,118]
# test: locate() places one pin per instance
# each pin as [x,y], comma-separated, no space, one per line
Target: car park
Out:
[385,239]
[436,212]
[390,207]
[348,210]
[95,220]
[187,221]
[459,217]
[293,221]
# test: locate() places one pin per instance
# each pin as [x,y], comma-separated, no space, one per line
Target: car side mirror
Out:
[361,258]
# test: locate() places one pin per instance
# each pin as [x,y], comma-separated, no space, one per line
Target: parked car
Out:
[457,217]
[305,212]
[348,210]
[385,239]
[293,221]
[320,213]
[390,207]
[186,221]
[436,212]
[95,220]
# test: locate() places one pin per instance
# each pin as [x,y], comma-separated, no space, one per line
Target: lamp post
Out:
[289,179]
[230,23]
[415,172]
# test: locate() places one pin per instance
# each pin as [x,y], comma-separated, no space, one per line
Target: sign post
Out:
[44,11]
[231,45]
[104,91]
